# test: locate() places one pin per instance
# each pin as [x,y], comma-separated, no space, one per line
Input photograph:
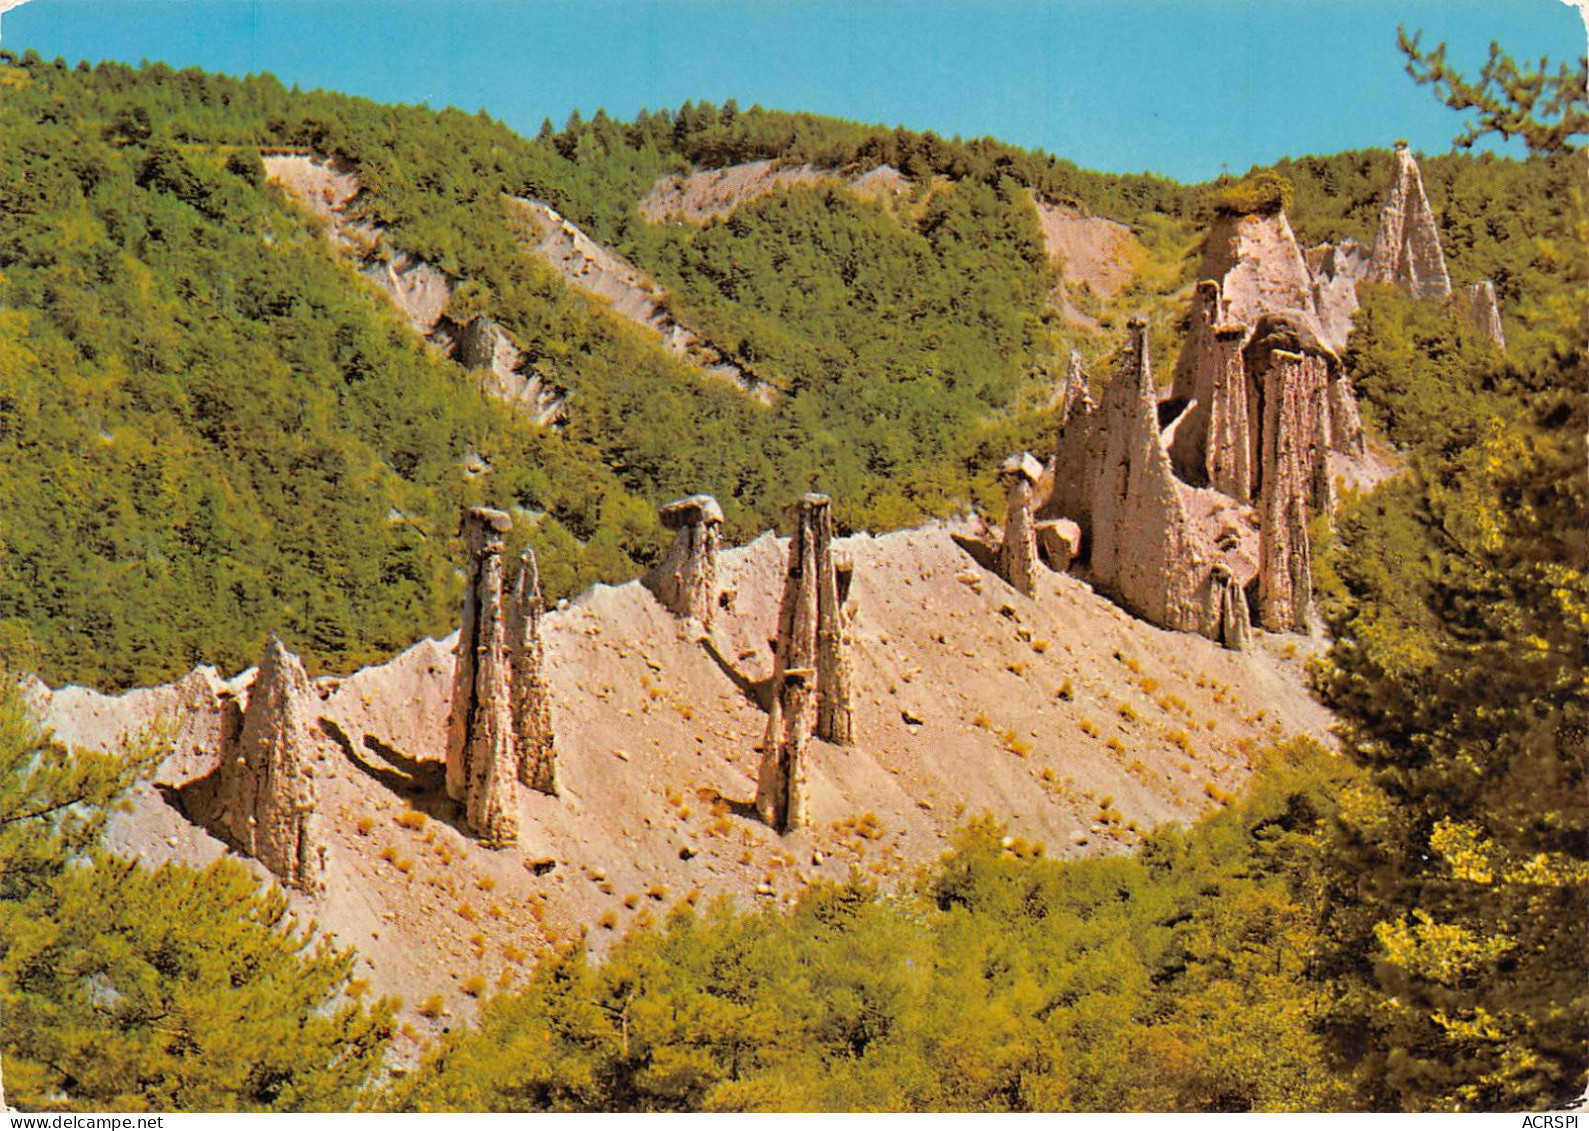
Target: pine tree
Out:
[128,989]
[1547,109]
[1460,875]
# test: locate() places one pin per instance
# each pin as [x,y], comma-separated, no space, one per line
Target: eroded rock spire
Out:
[1142,545]
[267,788]
[1478,306]
[685,580]
[1289,482]
[1074,391]
[781,784]
[1017,562]
[1407,244]
[835,713]
[536,748]
[482,767]
[811,681]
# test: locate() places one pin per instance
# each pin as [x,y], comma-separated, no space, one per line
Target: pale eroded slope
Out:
[971,698]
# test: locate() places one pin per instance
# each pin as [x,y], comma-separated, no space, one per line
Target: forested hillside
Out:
[215,430]
[212,428]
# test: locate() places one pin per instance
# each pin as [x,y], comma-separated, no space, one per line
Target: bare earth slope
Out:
[628,291]
[1090,251]
[1048,713]
[714,194]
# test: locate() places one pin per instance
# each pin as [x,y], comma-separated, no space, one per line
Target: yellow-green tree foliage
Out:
[127,989]
[1458,597]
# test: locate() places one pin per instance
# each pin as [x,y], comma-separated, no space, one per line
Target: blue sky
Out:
[1182,87]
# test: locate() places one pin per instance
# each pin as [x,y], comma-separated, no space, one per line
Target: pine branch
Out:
[1546,109]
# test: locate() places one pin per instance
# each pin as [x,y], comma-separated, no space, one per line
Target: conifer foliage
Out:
[1459,921]
[130,989]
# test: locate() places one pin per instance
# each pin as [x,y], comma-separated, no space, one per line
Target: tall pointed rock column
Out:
[1232,439]
[534,742]
[266,782]
[835,714]
[1407,244]
[1285,584]
[1075,451]
[780,788]
[685,580]
[1074,389]
[1017,561]
[481,766]
[1479,307]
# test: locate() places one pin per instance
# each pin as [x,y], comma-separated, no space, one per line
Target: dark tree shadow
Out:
[421,781]
[758,691]
[713,800]
[199,803]
[983,553]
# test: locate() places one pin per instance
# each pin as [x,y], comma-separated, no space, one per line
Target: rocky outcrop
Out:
[1167,551]
[1478,306]
[1337,269]
[1076,454]
[1252,271]
[1406,254]
[482,766]
[1217,440]
[835,709]
[1261,408]
[715,194]
[685,580]
[1260,412]
[1068,386]
[534,742]
[1260,269]
[1235,621]
[421,292]
[1407,245]
[265,779]
[1291,459]
[630,293]
[1017,561]
[811,677]
[1058,542]
[1144,548]
[482,345]
[781,783]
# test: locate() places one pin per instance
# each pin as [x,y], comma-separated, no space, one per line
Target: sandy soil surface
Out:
[1062,716]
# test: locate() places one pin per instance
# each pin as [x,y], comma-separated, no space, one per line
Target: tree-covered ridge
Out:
[205,430]
[228,414]
[202,401]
